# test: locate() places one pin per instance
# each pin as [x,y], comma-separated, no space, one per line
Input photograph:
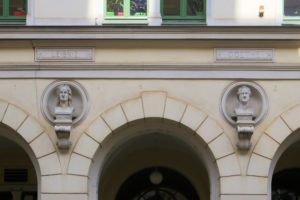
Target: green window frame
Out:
[11,18]
[201,16]
[296,11]
[126,11]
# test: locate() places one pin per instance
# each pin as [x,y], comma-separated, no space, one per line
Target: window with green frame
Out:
[13,10]
[291,9]
[183,9]
[126,8]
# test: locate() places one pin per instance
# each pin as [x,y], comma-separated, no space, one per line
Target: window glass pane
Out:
[138,7]
[291,7]
[1,7]
[194,7]
[115,8]
[17,7]
[171,7]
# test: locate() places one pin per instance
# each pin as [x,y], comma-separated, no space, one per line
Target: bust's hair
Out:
[243,88]
[69,93]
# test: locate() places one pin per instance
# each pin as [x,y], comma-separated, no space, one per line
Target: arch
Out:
[154,104]
[26,131]
[273,142]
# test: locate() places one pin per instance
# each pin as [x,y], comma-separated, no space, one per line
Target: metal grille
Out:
[15,175]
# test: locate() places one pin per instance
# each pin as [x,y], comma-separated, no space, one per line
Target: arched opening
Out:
[284,173]
[144,145]
[286,178]
[19,170]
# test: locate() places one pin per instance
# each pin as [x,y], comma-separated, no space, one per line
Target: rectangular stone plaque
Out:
[244,55]
[64,54]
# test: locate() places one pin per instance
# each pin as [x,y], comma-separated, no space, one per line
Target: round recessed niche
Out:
[258,101]
[79,101]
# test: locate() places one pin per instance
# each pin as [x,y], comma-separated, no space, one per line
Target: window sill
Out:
[122,21]
[183,22]
[291,22]
[12,23]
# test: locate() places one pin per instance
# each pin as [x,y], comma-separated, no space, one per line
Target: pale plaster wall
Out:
[287,55]
[9,55]
[238,12]
[65,9]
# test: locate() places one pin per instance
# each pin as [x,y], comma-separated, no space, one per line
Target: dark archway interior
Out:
[157,183]
[18,179]
[286,178]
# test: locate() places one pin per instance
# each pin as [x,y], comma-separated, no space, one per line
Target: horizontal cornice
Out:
[203,71]
[148,33]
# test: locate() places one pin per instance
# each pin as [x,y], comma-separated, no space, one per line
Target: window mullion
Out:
[183,8]
[5,8]
[126,8]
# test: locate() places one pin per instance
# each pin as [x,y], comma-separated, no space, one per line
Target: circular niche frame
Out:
[79,101]
[258,101]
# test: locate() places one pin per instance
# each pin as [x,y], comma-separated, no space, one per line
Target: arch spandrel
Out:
[172,109]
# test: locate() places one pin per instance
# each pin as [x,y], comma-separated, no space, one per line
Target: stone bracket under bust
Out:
[64,104]
[244,105]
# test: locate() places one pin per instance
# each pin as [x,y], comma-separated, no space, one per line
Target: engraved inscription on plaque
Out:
[64,54]
[243,55]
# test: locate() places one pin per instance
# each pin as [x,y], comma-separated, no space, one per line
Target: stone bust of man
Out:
[64,108]
[243,108]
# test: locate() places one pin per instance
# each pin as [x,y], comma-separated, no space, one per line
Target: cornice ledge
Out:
[154,67]
[148,33]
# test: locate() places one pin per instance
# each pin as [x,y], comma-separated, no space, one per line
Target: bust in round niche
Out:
[64,104]
[244,104]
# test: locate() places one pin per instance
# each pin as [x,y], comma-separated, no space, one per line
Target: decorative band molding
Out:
[166,71]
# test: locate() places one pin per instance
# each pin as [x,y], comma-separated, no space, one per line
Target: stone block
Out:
[42,145]
[64,184]
[258,166]
[30,129]
[229,166]
[154,103]
[209,130]
[266,147]
[3,107]
[79,165]
[244,197]
[98,130]
[133,109]
[86,146]
[50,164]
[193,117]
[64,197]
[291,117]
[278,130]
[244,185]
[221,146]
[14,117]
[114,117]
[174,109]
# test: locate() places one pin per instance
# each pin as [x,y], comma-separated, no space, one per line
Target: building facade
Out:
[149,99]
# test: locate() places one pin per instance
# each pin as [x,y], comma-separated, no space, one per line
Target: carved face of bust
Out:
[244,94]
